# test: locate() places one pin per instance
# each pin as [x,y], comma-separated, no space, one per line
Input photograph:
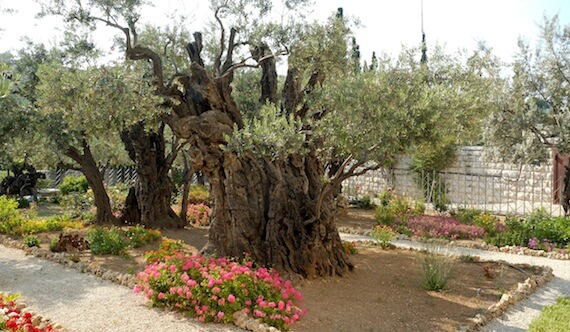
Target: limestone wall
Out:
[471,180]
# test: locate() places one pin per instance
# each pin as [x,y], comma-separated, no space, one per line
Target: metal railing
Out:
[493,193]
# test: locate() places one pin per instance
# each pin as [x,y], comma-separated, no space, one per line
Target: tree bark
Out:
[89,168]
[149,201]
[267,208]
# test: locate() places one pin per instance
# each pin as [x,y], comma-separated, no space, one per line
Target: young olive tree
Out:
[80,124]
[535,117]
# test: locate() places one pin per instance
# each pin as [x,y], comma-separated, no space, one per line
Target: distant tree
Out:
[535,117]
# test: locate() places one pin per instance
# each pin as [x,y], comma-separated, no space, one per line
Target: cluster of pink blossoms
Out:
[213,289]
[446,227]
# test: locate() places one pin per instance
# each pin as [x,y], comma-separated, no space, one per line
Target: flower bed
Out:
[215,289]
[13,319]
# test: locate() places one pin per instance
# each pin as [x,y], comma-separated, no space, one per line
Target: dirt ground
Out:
[383,293]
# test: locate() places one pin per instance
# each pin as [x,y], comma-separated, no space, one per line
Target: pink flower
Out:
[231,298]
[220,314]
[161,295]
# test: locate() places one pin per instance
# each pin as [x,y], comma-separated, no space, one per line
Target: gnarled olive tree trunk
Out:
[88,166]
[148,202]
[267,208]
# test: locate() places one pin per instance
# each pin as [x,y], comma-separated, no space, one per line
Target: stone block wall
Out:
[471,180]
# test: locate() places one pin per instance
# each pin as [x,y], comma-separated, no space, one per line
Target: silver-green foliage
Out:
[271,135]
[536,114]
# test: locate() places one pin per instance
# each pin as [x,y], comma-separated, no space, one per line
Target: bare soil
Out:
[383,293]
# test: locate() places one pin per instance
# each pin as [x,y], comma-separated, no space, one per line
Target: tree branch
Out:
[218,61]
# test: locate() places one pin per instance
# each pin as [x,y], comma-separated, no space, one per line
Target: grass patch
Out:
[554,318]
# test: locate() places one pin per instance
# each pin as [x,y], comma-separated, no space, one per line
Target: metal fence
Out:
[112,176]
[493,193]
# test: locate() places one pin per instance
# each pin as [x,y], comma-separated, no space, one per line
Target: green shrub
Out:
[78,202]
[538,225]
[384,235]
[350,248]
[72,184]
[365,202]
[395,209]
[436,270]
[198,194]
[32,241]
[139,236]
[554,318]
[107,241]
[466,216]
[23,203]
[8,209]
[166,248]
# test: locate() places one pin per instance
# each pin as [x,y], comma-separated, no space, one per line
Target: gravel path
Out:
[83,302]
[517,318]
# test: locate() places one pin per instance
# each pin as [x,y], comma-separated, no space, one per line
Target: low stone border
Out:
[240,319]
[483,246]
[523,290]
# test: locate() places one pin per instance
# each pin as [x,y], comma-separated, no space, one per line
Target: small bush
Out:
[213,289]
[436,270]
[554,318]
[384,235]
[32,241]
[77,202]
[395,209]
[198,194]
[107,241]
[8,209]
[23,203]
[198,214]
[139,236]
[365,202]
[466,216]
[166,248]
[443,227]
[72,184]
[68,242]
[19,226]
[350,248]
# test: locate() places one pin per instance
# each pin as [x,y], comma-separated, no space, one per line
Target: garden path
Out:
[83,302]
[518,317]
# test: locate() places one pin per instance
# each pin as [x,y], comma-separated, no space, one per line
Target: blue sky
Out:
[386,24]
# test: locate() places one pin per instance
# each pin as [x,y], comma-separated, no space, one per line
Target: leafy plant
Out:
[198,215]
[139,236]
[365,202]
[213,289]
[443,227]
[68,242]
[73,184]
[350,248]
[384,235]
[8,209]
[107,241]
[32,241]
[436,270]
[23,203]
[395,209]
[198,194]
[554,318]
[20,226]
[166,248]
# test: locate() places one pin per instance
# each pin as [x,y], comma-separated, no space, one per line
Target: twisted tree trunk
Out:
[148,202]
[267,209]
[88,166]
